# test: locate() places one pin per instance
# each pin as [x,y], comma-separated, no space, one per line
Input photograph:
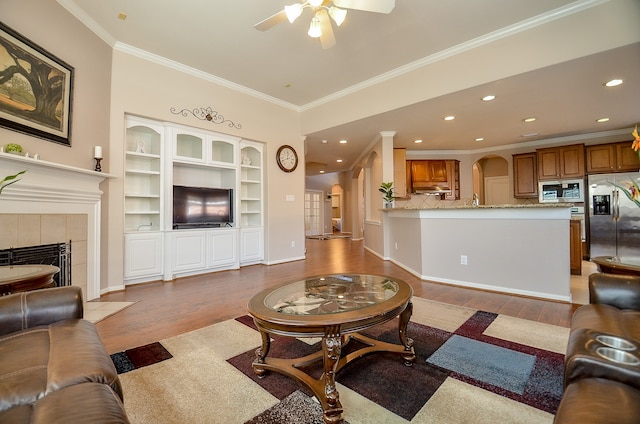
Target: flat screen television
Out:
[201,207]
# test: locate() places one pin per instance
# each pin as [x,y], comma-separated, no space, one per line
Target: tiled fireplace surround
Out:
[54,203]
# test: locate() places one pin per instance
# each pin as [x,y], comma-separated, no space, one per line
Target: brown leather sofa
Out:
[602,363]
[53,365]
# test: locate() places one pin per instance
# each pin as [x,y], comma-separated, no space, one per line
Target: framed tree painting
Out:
[35,89]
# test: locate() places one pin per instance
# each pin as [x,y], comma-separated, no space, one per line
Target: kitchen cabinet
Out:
[561,162]
[453,180]
[525,175]
[575,247]
[627,159]
[399,172]
[429,174]
[611,157]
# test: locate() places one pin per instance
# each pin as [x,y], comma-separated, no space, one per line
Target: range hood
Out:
[431,190]
[429,177]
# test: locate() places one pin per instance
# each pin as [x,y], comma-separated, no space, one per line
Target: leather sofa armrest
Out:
[621,291]
[29,309]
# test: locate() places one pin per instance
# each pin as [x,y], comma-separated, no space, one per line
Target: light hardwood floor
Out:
[167,309]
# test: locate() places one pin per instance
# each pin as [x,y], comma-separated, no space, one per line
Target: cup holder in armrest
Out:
[617,355]
[615,342]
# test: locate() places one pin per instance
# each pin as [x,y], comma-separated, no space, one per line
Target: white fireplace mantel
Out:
[52,188]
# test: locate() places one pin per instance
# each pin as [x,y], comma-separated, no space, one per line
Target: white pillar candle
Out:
[97,152]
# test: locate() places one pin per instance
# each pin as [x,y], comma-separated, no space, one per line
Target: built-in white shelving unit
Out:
[251,205]
[160,155]
[143,175]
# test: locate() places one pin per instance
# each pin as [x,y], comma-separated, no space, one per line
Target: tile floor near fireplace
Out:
[97,311]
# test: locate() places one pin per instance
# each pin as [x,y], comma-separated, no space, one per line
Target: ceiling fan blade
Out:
[271,21]
[378,6]
[327,39]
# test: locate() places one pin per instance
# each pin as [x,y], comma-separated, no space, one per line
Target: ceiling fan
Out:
[323,12]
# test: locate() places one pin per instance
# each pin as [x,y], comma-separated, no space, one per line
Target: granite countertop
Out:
[506,206]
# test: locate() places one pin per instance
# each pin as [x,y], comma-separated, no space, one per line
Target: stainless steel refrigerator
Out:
[614,220]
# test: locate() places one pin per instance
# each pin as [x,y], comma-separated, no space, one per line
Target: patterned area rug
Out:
[471,366]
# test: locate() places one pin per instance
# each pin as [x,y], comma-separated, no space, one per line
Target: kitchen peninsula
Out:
[519,249]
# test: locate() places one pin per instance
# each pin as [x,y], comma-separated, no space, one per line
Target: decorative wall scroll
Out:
[35,89]
[206,114]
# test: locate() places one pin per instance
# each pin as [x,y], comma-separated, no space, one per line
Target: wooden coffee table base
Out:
[333,341]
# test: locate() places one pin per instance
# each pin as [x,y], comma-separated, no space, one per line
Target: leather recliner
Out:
[53,365]
[601,388]
[613,310]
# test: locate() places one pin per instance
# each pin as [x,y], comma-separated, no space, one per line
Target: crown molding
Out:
[88,21]
[491,37]
[530,144]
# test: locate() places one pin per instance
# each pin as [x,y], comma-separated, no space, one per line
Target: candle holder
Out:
[98,167]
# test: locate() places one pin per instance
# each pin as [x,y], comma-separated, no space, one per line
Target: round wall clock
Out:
[287,158]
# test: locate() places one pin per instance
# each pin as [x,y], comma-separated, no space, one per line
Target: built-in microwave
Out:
[563,191]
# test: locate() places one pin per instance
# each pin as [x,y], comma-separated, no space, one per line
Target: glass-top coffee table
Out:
[335,308]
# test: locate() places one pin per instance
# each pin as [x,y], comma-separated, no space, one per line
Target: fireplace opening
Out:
[56,254]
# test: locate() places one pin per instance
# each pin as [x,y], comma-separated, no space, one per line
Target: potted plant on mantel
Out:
[387,193]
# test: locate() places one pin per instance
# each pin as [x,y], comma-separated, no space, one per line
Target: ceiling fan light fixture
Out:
[315,3]
[337,15]
[315,30]
[293,11]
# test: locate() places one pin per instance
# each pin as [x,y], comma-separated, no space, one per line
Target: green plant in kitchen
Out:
[8,180]
[387,191]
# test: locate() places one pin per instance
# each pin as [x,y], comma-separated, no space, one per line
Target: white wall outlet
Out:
[293,243]
[463,259]
[396,245]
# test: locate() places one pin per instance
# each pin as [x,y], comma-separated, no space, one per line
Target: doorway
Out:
[491,180]
[313,216]
[496,190]
[336,212]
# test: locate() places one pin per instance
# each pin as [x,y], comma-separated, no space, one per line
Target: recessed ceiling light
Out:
[488,98]
[322,172]
[339,160]
[603,120]
[613,83]
[449,118]
[324,141]
[529,119]
[480,139]
[343,141]
[122,16]
[418,141]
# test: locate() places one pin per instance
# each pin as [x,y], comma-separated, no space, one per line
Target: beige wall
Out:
[485,237]
[151,89]
[73,43]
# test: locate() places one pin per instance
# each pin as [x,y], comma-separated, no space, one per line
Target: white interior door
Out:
[496,190]
[313,213]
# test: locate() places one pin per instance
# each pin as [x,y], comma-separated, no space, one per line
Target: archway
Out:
[491,180]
